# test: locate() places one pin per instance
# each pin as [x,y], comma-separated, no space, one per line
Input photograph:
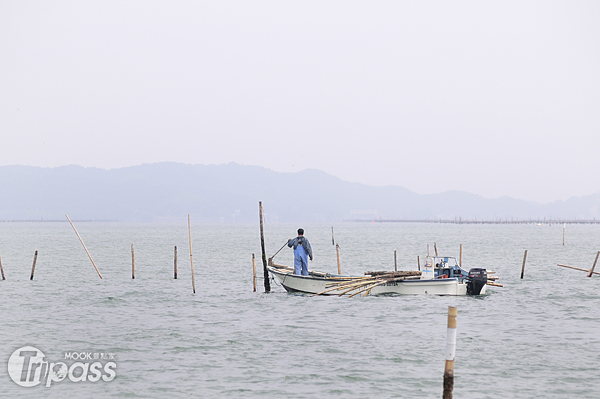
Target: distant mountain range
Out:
[230,193]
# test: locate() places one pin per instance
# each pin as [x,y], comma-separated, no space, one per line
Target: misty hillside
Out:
[169,191]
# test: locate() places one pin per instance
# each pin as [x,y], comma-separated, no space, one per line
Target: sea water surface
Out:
[534,337]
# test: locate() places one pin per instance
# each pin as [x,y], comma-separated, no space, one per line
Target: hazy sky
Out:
[495,98]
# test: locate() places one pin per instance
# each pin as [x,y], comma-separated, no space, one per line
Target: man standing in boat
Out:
[301,250]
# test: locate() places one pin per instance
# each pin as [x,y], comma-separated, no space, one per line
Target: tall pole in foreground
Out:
[2,269]
[460,258]
[262,247]
[395,263]
[450,353]
[84,247]
[191,258]
[33,266]
[523,268]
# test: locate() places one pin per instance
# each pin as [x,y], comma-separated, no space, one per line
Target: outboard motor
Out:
[477,279]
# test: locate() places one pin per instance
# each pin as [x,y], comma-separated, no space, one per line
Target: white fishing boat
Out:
[439,276]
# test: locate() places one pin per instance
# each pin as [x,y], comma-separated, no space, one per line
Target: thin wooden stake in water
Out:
[262,246]
[84,247]
[395,263]
[132,263]
[2,269]
[450,353]
[523,268]
[33,267]
[332,239]
[428,250]
[191,258]
[175,264]
[337,250]
[577,268]
[435,248]
[254,272]
[460,258]
[419,262]
[594,266]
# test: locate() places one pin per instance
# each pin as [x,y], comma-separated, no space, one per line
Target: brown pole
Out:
[427,249]
[523,268]
[450,353]
[254,272]
[460,259]
[594,266]
[2,269]
[84,247]
[262,246]
[33,267]
[191,258]
[576,268]
[337,250]
[419,262]
[395,263]
[175,264]
[332,239]
[435,248]
[132,263]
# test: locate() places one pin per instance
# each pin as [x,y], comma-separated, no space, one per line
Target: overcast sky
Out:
[494,98]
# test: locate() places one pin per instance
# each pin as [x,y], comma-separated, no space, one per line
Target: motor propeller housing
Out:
[476,281]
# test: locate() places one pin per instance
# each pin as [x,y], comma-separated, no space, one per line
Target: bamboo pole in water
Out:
[368,289]
[332,238]
[460,258]
[33,266]
[337,250]
[523,268]
[175,263]
[2,269]
[254,272]
[576,268]
[132,263]
[435,248]
[191,257]
[450,353]
[419,262]
[262,246]
[395,263]
[84,247]
[594,266]
[428,254]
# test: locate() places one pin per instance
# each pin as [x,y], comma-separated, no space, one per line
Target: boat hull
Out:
[317,284]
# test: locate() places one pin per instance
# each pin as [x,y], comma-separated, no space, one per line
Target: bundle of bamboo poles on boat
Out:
[359,285]
[491,280]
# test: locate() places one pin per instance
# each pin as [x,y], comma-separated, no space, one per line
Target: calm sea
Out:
[534,337]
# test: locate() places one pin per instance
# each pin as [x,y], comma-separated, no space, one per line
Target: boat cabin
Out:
[442,267]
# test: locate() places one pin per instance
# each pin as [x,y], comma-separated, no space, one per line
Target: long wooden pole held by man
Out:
[262,246]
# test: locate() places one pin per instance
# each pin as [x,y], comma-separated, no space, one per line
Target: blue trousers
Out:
[300,261]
